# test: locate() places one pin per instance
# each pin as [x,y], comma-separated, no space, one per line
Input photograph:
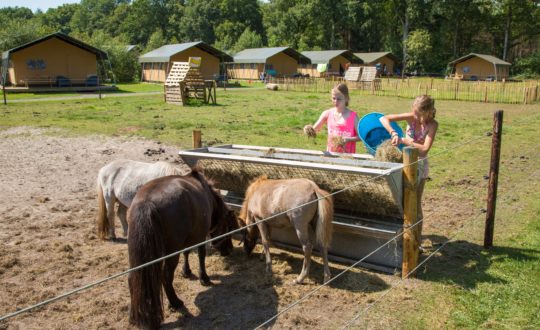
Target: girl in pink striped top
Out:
[421,130]
[341,122]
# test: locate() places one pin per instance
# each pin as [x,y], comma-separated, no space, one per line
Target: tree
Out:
[156,40]
[419,50]
[248,39]
[227,34]
[59,18]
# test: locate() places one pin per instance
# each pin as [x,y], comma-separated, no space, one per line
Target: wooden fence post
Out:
[411,239]
[4,90]
[197,139]
[493,178]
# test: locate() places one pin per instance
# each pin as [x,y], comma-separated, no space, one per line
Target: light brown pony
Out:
[265,198]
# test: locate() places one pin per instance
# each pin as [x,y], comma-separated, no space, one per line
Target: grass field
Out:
[463,286]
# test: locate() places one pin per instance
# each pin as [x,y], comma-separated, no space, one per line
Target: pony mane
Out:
[167,168]
[249,192]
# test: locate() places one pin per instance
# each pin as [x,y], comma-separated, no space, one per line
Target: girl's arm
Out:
[385,120]
[428,142]
[322,120]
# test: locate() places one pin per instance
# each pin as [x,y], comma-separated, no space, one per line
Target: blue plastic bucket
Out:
[373,133]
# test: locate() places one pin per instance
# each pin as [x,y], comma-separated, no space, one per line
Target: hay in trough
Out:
[310,131]
[363,196]
[386,152]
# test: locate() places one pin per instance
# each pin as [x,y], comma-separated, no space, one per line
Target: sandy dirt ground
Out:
[49,246]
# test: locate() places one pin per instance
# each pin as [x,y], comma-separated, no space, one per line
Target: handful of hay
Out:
[338,140]
[386,152]
[310,131]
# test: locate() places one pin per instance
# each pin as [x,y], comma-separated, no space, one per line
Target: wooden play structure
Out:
[353,73]
[185,81]
[363,77]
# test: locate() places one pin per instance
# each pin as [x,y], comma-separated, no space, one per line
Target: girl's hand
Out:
[310,131]
[396,140]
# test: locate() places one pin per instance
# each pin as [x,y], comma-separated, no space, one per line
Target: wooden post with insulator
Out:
[411,233]
[493,178]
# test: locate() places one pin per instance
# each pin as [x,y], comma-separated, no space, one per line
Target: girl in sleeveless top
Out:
[341,122]
[420,133]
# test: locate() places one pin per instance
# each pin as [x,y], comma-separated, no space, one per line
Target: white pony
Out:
[118,181]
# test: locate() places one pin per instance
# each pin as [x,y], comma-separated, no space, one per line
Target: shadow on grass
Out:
[467,264]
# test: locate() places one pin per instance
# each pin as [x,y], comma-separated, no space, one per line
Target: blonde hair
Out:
[343,90]
[425,105]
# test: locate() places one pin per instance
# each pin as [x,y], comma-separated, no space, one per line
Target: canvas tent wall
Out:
[336,62]
[43,60]
[385,59]
[480,67]
[251,63]
[157,63]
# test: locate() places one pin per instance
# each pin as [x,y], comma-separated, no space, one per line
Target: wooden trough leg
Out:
[411,236]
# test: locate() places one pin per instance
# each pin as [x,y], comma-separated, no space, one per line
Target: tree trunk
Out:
[404,40]
[507,31]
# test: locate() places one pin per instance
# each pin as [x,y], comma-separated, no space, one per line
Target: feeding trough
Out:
[367,214]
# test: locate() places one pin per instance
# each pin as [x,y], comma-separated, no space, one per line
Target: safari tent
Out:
[479,67]
[328,63]
[157,63]
[274,61]
[384,61]
[56,60]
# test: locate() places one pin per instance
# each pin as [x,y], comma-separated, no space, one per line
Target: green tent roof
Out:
[164,53]
[261,55]
[489,58]
[325,56]
[99,53]
[372,57]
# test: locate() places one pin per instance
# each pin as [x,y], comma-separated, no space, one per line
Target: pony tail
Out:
[102,221]
[145,243]
[325,215]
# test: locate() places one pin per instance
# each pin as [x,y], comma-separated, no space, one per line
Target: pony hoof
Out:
[206,282]
[177,305]
[297,282]
[187,274]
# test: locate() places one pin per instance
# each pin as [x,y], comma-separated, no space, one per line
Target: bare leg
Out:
[419,193]
[303,236]
[263,228]
[122,211]
[168,276]
[203,277]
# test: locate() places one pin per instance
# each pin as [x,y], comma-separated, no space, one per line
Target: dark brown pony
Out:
[167,215]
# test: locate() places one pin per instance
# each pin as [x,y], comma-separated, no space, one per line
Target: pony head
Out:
[224,245]
[249,236]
